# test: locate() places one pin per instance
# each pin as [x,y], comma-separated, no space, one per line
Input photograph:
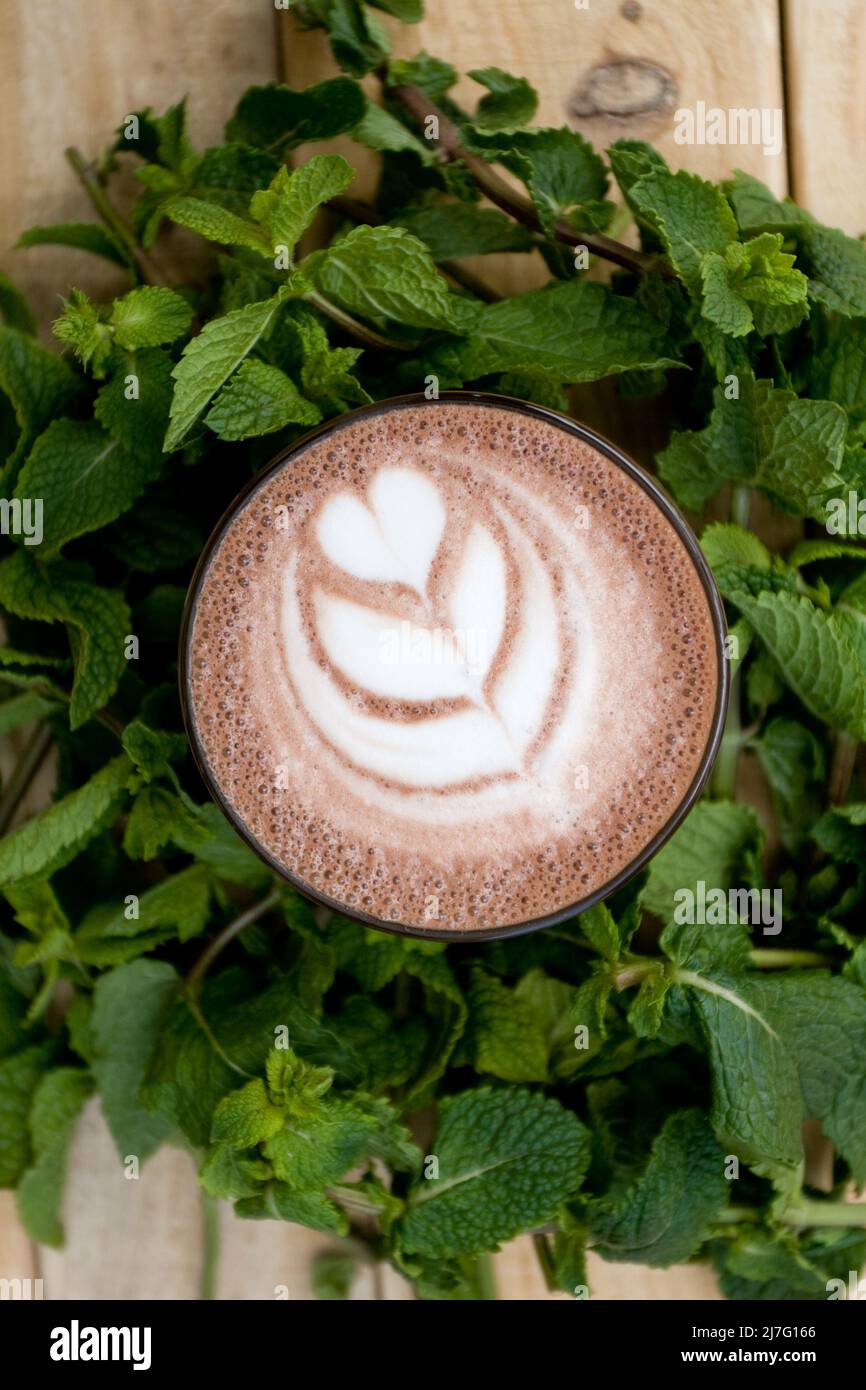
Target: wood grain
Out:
[616,69]
[68,75]
[826,61]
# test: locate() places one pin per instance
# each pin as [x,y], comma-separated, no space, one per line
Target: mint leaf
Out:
[432,75]
[56,1105]
[510,101]
[287,208]
[384,275]
[97,620]
[85,478]
[578,330]
[39,386]
[128,1005]
[823,1020]
[452,230]
[793,762]
[149,316]
[507,1159]
[277,119]
[83,236]
[217,223]
[258,400]
[691,216]
[14,309]
[210,359]
[20,1074]
[564,175]
[133,406]
[70,822]
[813,653]
[663,1216]
[718,842]
[507,1034]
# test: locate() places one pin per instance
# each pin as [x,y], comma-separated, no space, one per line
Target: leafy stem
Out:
[352,325]
[144,264]
[494,187]
[841,768]
[195,978]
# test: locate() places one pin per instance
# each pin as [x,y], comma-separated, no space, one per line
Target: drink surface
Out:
[452,667]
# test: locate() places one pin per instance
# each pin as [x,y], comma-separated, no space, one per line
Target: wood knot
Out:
[623,90]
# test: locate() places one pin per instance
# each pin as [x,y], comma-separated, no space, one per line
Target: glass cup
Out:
[649,485]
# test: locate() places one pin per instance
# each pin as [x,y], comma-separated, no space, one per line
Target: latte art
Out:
[451,667]
[424,604]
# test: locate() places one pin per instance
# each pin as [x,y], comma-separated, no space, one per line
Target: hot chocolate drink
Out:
[452,666]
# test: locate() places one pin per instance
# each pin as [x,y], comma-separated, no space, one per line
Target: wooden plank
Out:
[825,57]
[616,69]
[68,75]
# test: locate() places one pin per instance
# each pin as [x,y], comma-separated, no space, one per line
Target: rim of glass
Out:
[638,475]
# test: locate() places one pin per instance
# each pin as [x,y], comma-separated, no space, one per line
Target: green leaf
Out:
[333,1275]
[128,1005]
[358,41]
[507,1034]
[178,906]
[792,449]
[823,1020]
[434,76]
[97,620]
[68,824]
[813,653]
[230,174]
[691,216]
[379,130]
[794,764]
[149,316]
[39,386]
[287,208]
[841,832]
[510,102]
[564,175]
[452,230]
[14,309]
[578,330]
[57,1104]
[277,119]
[210,359]
[85,478]
[749,283]
[507,1161]
[20,1074]
[259,399]
[726,544]
[82,236]
[663,1216]
[246,1117]
[133,406]
[217,223]
[384,275]
[718,843]
[23,709]
[757,1110]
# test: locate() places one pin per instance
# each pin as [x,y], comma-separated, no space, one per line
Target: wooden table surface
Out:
[68,74]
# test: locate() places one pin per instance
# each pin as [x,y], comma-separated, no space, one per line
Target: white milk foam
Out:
[452,667]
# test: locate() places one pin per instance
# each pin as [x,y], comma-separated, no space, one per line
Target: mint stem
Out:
[487,1289]
[195,978]
[768,959]
[841,768]
[355,327]
[815,1213]
[545,1260]
[210,1247]
[506,198]
[89,180]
